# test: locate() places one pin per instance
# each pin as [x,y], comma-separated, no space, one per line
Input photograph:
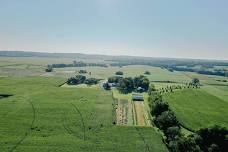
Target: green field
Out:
[157,74]
[197,109]
[218,91]
[41,116]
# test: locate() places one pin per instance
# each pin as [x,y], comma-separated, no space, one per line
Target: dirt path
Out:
[139,113]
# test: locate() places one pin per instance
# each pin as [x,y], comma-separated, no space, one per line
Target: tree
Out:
[91,81]
[147,72]
[158,107]
[126,85]
[184,144]
[78,79]
[106,86]
[114,79]
[119,73]
[82,71]
[145,83]
[49,69]
[141,81]
[173,133]
[214,148]
[165,120]
[214,135]
[151,88]
[195,81]
[155,96]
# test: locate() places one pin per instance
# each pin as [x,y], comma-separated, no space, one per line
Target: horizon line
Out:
[116,55]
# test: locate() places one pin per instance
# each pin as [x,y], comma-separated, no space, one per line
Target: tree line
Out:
[212,139]
[194,84]
[77,64]
[81,79]
[206,71]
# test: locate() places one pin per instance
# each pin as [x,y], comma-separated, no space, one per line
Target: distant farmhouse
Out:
[137,97]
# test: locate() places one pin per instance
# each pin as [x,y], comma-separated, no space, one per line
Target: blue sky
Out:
[158,28]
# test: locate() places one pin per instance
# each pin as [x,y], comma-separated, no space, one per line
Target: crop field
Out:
[38,112]
[196,108]
[136,112]
[41,116]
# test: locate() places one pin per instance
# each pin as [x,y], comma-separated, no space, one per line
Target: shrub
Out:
[49,69]
[106,86]
[195,81]
[91,81]
[214,135]
[119,73]
[165,120]
[173,133]
[151,88]
[126,85]
[82,71]
[147,72]
[141,81]
[158,107]
[114,79]
[184,144]
[78,79]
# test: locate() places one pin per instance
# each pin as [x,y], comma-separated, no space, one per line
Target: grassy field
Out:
[157,74]
[197,108]
[218,91]
[40,116]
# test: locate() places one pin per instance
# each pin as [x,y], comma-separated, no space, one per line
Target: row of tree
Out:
[129,84]
[194,84]
[80,79]
[219,72]
[77,64]
[213,139]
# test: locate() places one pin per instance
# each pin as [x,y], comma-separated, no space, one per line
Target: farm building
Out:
[137,97]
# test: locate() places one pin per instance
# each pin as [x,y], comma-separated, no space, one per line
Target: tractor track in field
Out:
[76,109]
[29,129]
[68,129]
[143,139]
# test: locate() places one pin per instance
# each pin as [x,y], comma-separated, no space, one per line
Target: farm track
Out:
[68,129]
[82,120]
[139,114]
[29,129]
[143,139]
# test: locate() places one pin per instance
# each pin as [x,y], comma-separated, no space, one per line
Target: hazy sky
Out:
[159,28]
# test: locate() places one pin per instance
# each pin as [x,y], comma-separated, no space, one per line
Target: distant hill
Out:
[116,59]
